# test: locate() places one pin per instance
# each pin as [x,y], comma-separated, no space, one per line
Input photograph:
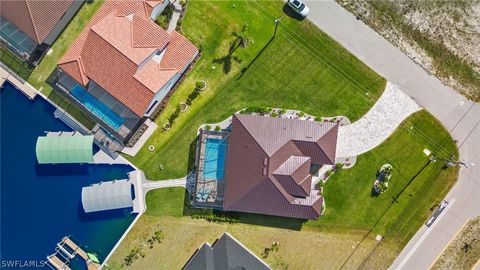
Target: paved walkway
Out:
[459,115]
[377,125]
[148,185]
[177,10]
[102,158]
[132,151]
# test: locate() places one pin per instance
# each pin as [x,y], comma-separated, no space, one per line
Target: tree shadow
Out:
[241,40]
[292,14]
[226,61]
[245,69]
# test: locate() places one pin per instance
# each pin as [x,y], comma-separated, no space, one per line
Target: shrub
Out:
[208,127]
[174,115]
[283,111]
[199,85]
[162,21]
[301,114]
[257,109]
[192,96]
[328,173]
[218,128]
[215,218]
[320,184]
[134,254]
[338,166]
[164,18]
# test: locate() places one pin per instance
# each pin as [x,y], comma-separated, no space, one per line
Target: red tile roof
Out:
[268,165]
[34,18]
[127,54]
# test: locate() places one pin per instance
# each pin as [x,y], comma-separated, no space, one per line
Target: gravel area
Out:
[377,125]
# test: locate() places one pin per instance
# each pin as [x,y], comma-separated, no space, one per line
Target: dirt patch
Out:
[440,36]
[464,251]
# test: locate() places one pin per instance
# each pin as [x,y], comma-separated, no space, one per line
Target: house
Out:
[225,253]
[29,27]
[122,66]
[264,165]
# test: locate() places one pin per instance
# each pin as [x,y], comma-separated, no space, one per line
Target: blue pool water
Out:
[214,164]
[42,203]
[97,107]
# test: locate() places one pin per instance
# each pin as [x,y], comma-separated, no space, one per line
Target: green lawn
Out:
[73,29]
[15,63]
[172,202]
[348,228]
[302,68]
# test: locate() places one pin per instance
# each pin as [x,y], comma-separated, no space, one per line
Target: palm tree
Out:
[241,37]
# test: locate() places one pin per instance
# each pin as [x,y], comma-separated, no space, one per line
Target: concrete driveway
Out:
[459,115]
[377,124]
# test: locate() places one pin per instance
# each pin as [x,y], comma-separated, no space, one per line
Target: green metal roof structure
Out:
[64,149]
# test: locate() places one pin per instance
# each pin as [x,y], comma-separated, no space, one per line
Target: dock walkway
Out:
[77,250]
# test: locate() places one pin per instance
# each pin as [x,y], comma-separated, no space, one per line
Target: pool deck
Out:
[132,151]
[25,87]
[102,158]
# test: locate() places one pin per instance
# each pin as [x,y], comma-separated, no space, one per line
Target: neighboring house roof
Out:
[126,53]
[268,165]
[34,18]
[226,253]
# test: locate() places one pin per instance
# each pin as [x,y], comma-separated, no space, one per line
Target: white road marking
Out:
[424,236]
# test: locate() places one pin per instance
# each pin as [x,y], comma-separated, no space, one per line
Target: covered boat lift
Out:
[74,148]
[107,196]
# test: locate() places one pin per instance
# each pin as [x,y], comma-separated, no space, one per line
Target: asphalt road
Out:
[459,115]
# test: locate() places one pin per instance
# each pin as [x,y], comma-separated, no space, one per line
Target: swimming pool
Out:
[214,164]
[40,204]
[97,107]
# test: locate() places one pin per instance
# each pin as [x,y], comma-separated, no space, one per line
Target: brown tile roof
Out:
[120,50]
[34,18]
[268,165]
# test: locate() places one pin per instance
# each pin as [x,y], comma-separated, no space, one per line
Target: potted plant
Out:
[166,126]
[201,85]
[183,106]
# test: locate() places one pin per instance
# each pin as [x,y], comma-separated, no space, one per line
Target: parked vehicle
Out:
[299,7]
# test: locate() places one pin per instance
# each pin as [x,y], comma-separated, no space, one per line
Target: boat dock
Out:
[57,263]
[68,250]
